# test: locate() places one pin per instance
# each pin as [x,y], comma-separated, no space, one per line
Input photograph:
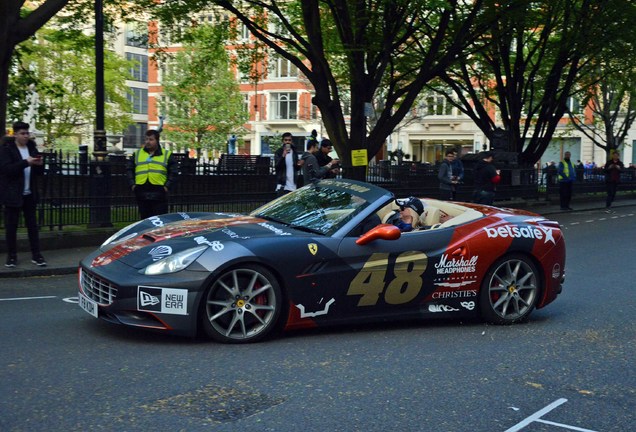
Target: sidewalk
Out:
[65,260]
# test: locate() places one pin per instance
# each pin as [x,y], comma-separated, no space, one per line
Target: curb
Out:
[21,273]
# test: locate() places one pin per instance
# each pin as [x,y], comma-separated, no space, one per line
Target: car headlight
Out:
[118,233]
[175,262]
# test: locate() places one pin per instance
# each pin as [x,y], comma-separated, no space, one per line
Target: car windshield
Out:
[318,209]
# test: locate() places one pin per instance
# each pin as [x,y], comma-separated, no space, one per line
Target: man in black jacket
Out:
[323,158]
[486,178]
[312,171]
[20,163]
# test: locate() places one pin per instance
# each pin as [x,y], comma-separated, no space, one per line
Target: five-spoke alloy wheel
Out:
[510,290]
[242,305]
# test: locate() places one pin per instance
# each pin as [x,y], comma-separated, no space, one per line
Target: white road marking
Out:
[27,298]
[574,428]
[606,218]
[536,417]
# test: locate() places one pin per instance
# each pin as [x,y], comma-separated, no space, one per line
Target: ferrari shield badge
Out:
[313,248]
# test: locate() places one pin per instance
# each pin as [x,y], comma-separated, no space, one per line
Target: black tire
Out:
[242,305]
[510,290]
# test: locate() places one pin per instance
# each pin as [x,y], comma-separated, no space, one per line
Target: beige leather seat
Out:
[388,215]
[431,216]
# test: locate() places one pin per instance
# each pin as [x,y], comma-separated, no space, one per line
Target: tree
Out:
[251,61]
[59,66]
[608,107]
[356,48]
[201,100]
[612,110]
[527,67]
[14,29]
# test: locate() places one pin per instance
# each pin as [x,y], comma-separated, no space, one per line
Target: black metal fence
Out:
[78,192]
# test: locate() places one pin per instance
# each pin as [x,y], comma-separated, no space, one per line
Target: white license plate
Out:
[88,305]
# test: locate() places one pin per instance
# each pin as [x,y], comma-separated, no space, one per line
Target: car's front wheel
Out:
[510,290]
[242,305]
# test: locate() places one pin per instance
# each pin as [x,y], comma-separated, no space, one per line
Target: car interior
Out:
[437,214]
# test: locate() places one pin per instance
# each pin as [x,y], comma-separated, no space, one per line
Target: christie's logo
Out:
[455,265]
[527,232]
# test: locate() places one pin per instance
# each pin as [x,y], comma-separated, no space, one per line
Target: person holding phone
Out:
[322,155]
[312,171]
[287,164]
[20,163]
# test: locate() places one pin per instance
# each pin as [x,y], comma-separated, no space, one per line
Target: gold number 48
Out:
[404,285]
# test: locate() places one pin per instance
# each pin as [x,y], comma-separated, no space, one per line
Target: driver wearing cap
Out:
[408,217]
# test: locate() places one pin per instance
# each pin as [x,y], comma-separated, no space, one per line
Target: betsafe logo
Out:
[527,232]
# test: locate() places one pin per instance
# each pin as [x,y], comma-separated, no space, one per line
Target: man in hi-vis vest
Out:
[152,171]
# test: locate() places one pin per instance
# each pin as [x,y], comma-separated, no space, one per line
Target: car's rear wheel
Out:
[242,305]
[510,290]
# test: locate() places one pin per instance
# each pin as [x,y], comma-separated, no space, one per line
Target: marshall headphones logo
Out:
[313,248]
[160,252]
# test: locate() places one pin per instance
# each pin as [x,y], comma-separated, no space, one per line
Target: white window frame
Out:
[283,102]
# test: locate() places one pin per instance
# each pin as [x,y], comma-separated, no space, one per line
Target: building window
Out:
[438,105]
[139,70]
[246,102]
[283,68]
[284,106]
[245,32]
[136,35]
[313,114]
[134,135]
[167,68]
[574,106]
[138,98]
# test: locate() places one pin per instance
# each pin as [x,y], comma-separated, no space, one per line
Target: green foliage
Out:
[201,101]
[58,66]
[527,64]
[608,92]
[357,49]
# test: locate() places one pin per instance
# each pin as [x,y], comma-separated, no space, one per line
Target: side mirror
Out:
[381,232]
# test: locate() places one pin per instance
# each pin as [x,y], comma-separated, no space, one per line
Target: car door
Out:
[387,278]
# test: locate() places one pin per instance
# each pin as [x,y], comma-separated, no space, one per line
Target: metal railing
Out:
[72,193]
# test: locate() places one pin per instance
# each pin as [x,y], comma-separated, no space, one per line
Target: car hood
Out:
[141,245]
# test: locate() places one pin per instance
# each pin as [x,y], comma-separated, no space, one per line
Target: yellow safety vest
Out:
[151,168]
[566,170]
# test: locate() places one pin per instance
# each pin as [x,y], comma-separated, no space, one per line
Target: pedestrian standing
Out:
[20,164]
[486,178]
[567,176]
[312,171]
[447,181]
[287,164]
[152,172]
[322,155]
[613,169]
[458,173]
